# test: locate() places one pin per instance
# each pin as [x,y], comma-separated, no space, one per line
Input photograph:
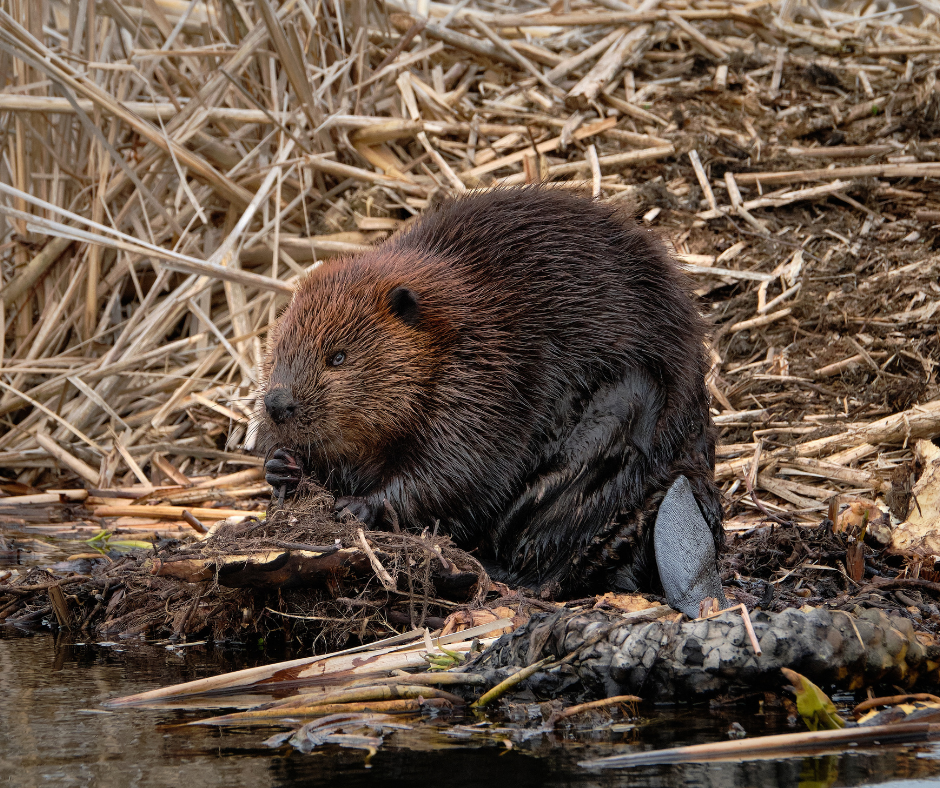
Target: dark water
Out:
[53,732]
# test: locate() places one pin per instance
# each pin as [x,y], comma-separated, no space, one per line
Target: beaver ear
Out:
[404,305]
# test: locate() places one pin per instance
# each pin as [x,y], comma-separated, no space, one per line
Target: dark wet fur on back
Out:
[537,392]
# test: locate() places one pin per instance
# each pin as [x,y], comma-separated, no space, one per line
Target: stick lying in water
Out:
[788,744]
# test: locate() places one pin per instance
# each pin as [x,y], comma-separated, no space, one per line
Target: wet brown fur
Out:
[546,393]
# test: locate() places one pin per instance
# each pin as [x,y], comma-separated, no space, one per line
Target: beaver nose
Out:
[280,405]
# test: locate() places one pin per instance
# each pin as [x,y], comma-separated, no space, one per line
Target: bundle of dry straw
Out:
[168,167]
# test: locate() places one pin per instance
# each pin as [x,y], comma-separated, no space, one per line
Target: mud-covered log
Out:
[286,569]
[271,569]
[672,661]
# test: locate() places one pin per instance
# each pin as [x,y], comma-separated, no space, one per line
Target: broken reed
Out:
[168,169]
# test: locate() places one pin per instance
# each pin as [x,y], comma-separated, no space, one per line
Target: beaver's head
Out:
[351,362]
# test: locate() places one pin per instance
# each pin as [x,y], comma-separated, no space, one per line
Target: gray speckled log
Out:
[671,661]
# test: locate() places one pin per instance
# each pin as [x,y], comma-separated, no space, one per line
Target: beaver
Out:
[524,367]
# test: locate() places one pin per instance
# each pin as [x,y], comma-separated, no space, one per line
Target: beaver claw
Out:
[283,471]
[363,510]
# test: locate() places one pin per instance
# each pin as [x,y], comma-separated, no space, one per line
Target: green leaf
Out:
[814,706]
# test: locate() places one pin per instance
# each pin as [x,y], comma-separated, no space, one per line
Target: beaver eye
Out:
[337,359]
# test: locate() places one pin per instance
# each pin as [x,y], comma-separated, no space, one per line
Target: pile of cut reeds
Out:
[167,168]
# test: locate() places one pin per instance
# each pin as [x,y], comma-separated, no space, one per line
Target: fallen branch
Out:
[790,744]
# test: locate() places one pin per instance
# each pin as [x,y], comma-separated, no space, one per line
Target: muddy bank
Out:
[300,576]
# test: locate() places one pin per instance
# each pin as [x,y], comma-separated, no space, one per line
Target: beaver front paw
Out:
[366,512]
[283,471]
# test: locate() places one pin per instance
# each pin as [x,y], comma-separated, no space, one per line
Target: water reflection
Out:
[53,732]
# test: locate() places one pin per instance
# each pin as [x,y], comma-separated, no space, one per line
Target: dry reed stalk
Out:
[168,168]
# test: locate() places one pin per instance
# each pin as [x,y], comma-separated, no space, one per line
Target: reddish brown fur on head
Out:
[381,312]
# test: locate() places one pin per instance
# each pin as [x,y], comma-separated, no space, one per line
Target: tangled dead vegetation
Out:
[788,152]
[300,573]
